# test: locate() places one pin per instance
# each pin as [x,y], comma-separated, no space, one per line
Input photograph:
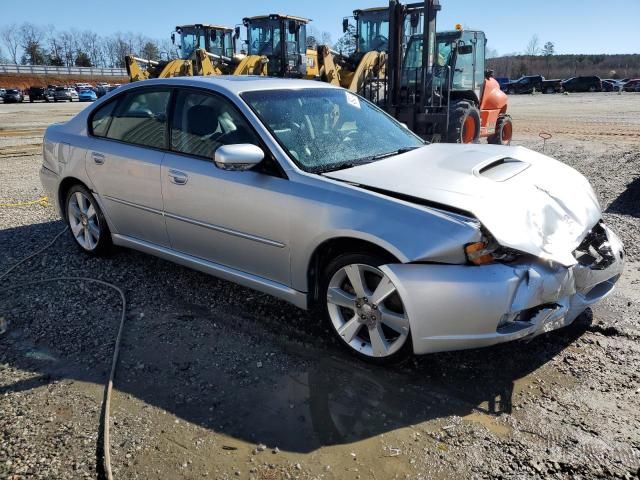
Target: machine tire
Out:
[464,123]
[504,131]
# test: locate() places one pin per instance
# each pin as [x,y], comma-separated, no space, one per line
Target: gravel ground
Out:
[217,381]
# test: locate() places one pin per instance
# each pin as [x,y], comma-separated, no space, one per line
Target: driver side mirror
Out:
[345,25]
[415,20]
[213,35]
[237,32]
[465,49]
[293,27]
[173,38]
[242,156]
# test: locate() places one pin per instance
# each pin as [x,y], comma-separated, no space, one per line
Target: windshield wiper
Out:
[364,160]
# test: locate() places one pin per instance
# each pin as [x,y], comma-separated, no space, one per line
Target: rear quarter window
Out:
[101,119]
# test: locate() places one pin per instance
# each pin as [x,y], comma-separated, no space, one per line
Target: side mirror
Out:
[345,25]
[173,38]
[237,32]
[293,27]
[213,35]
[242,156]
[465,49]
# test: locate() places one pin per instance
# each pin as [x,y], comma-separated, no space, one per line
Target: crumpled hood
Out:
[526,200]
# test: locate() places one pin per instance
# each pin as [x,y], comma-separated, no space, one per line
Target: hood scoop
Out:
[503,169]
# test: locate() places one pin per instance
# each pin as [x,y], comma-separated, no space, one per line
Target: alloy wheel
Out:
[83,221]
[366,310]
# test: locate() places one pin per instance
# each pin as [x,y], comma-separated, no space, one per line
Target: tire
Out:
[592,89]
[550,90]
[504,131]
[86,222]
[55,100]
[511,91]
[464,123]
[30,100]
[377,333]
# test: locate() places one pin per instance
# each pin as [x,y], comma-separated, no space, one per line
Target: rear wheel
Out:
[86,221]
[364,308]
[550,90]
[592,89]
[504,131]
[464,123]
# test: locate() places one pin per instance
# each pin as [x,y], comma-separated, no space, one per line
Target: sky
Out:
[574,26]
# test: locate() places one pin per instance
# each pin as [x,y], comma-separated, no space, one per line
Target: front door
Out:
[234,218]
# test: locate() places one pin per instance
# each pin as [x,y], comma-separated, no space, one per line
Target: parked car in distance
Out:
[40,93]
[401,246]
[87,95]
[101,90]
[524,85]
[582,84]
[65,93]
[632,85]
[503,81]
[13,95]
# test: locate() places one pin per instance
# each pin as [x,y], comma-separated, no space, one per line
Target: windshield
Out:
[263,37]
[12,90]
[220,43]
[373,31]
[191,39]
[327,129]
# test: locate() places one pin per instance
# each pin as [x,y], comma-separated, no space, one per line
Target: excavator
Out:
[282,39]
[204,50]
[437,84]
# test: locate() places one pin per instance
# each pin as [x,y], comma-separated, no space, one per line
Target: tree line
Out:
[30,44]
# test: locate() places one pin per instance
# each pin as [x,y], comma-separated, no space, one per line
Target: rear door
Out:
[234,218]
[129,138]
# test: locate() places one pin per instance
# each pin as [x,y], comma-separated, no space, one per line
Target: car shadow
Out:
[232,360]
[628,203]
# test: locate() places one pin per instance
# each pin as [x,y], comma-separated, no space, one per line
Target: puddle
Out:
[490,423]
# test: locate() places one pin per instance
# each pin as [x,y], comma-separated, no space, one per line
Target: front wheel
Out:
[464,123]
[86,221]
[365,310]
[504,131]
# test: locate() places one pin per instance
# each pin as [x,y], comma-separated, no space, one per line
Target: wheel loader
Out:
[204,50]
[368,61]
[282,39]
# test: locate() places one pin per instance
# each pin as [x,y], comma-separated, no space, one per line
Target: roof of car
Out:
[235,84]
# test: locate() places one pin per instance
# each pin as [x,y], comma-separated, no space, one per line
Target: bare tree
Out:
[533,47]
[31,38]
[11,40]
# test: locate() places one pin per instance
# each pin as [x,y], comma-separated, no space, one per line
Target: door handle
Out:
[98,158]
[178,177]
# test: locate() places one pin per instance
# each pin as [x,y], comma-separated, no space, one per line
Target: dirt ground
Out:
[217,381]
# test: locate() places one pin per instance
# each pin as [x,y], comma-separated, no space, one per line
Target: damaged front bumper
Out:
[456,307]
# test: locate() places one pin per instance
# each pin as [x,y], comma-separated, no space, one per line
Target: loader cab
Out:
[372,30]
[459,63]
[217,40]
[282,39]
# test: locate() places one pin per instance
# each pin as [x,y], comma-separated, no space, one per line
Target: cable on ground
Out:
[106,402]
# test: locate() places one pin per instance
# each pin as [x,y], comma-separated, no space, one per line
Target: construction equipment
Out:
[282,39]
[356,71]
[204,50]
[437,84]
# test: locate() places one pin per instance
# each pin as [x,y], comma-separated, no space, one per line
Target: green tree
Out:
[150,51]
[346,45]
[82,59]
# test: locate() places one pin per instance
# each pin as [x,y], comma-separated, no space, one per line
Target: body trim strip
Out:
[217,228]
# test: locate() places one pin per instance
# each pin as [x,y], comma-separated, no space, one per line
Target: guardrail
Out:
[49,70]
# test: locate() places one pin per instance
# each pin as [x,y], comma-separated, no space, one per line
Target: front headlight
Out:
[488,251]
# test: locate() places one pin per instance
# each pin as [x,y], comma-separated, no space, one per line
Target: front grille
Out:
[595,251]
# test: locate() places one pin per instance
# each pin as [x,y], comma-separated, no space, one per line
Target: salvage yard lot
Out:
[217,381]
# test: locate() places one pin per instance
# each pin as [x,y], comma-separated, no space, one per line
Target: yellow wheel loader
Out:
[204,50]
[367,63]
[282,39]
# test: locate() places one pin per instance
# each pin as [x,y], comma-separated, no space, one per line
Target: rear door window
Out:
[101,119]
[141,118]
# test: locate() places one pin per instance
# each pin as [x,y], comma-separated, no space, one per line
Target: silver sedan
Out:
[311,194]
